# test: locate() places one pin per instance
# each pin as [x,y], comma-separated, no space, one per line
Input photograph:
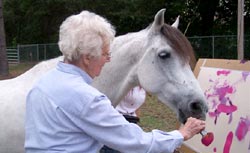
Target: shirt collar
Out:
[72,69]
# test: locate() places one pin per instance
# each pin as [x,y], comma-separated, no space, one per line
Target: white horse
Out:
[156,58]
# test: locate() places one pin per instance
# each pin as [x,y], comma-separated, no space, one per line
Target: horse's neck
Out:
[119,75]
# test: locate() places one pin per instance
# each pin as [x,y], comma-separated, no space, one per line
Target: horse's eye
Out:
[164,55]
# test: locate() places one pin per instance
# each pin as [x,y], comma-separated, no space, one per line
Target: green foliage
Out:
[38,21]
[226,18]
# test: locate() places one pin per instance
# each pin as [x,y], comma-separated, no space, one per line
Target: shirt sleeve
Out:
[132,101]
[102,122]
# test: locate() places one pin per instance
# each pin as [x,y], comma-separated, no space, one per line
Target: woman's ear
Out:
[86,59]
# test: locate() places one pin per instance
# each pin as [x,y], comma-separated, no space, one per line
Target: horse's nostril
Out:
[195,107]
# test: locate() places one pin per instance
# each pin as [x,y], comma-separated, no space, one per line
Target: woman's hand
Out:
[192,127]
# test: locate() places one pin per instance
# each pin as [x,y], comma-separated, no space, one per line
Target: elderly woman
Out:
[66,114]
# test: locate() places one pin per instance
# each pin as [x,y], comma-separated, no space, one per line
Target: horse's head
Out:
[165,70]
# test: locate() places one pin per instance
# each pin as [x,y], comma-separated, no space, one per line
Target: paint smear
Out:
[245,74]
[223,104]
[223,91]
[228,109]
[215,149]
[219,93]
[243,61]
[223,72]
[242,128]
[228,142]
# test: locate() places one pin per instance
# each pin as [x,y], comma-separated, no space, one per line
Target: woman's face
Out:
[96,63]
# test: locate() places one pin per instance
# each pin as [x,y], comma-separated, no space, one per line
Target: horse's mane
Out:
[179,43]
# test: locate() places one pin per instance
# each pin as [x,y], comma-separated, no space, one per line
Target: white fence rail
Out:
[13,56]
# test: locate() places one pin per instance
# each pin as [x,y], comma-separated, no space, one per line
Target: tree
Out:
[207,11]
[38,21]
[4,69]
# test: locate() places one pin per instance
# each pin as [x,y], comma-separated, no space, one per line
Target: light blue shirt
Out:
[65,114]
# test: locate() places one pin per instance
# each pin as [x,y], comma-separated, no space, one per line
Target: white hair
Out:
[84,33]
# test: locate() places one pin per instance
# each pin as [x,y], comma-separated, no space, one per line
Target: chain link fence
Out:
[223,47]
[38,52]
[32,52]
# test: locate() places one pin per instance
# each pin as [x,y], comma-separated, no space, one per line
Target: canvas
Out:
[228,96]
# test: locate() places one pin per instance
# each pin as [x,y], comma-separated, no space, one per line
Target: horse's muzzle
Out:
[195,109]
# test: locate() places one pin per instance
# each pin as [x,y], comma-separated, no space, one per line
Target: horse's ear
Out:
[158,21]
[176,23]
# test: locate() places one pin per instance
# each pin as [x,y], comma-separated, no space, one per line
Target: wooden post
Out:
[240,34]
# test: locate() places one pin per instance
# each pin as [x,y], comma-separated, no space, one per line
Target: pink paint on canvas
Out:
[228,142]
[242,128]
[223,108]
[245,75]
[223,104]
[223,72]
[215,149]
[224,90]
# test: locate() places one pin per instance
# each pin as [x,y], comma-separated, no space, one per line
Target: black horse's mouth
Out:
[182,117]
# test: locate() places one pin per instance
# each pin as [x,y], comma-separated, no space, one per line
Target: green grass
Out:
[155,115]
[20,68]
[17,69]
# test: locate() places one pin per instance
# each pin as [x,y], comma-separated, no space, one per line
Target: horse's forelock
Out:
[179,43]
